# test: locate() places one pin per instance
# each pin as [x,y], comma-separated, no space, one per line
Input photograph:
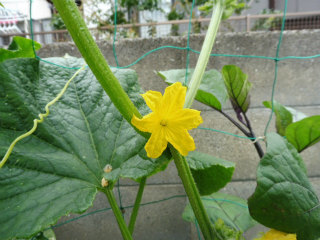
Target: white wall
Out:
[40,8]
[299,5]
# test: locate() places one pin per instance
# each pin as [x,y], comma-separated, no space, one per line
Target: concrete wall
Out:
[298,86]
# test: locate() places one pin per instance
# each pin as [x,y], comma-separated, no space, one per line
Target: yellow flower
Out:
[276,235]
[168,121]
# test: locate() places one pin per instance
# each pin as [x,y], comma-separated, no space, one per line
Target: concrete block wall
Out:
[298,86]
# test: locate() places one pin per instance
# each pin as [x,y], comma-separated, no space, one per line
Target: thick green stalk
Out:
[136,206]
[193,194]
[94,58]
[117,213]
[204,55]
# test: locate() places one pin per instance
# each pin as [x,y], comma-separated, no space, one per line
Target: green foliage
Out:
[230,7]
[231,209]
[238,87]
[59,169]
[19,48]
[284,198]
[149,5]
[212,90]
[304,133]
[210,173]
[283,116]
[1,5]
[57,22]
[175,15]
[45,235]
[267,23]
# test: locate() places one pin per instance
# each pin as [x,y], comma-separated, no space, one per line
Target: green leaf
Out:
[304,133]
[45,235]
[284,198]
[283,116]
[238,87]
[1,5]
[211,92]
[231,209]
[19,48]
[59,168]
[296,115]
[210,173]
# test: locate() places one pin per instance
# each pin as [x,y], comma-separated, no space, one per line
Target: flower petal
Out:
[186,118]
[157,143]
[145,124]
[173,99]
[180,139]
[152,99]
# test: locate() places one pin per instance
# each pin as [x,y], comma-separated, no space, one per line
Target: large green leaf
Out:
[211,92]
[284,198]
[19,48]
[283,116]
[304,133]
[210,173]
[59,168]
[231,209]
[238,87]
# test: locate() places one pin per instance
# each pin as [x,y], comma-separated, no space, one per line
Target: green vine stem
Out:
[204,54]
[193,194]
[117,213]
[100,68]
[136,206]
[91,53]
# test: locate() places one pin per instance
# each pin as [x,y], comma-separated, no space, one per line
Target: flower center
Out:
[164,122]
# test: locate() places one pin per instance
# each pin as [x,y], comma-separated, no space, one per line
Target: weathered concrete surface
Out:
[292,87]
[298,86]
[155,221]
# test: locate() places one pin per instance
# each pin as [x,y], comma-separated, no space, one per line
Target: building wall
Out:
[40,8]
[299,5]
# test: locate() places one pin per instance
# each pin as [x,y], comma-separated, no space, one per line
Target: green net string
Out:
[276,59]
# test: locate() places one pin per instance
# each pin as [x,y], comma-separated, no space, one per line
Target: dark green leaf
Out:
[59,168]
[19,48]
[210,173]
[238,87]
[283,116]
[211,92]
[304,133]
[284,198]
[231,209]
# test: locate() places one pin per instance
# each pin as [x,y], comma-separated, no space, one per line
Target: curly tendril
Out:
[40,120]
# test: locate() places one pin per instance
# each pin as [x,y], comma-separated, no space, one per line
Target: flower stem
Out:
[136,206]
[117,213]
[91,53]
[193,194]
[204,54]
